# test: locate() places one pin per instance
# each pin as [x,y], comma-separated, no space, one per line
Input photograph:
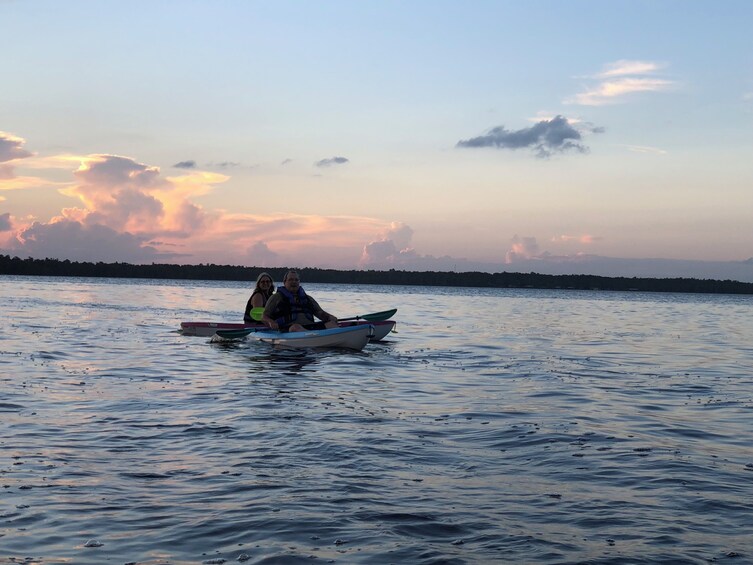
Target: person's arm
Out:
[269,309]
[320,313]
[257,300]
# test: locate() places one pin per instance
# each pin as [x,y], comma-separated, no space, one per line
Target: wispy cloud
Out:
[585,239]
[332,161]
[619,80]
[646,149]
[191,164]
[625,67]
[556,135]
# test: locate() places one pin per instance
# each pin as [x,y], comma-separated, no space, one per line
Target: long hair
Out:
[271,286]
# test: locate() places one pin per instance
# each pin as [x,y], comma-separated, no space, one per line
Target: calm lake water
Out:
[496,426]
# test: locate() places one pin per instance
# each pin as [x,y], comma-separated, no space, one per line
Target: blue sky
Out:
[607,137]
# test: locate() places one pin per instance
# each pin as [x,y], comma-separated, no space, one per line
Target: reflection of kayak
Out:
[208,329]
[352,337]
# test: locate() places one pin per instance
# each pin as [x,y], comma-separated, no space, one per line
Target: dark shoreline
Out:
[55,267]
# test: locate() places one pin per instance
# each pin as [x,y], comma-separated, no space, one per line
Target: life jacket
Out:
[247,314]
[291,305]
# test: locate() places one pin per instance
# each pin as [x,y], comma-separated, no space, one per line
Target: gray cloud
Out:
[260,255]
[11,147]
[185,165]
[544,138]
[5,223]
[73,240]
[332,161]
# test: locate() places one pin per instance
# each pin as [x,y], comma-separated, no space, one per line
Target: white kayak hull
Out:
[353,337]
[208,329]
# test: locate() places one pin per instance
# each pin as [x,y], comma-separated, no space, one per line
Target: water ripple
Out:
[554,428]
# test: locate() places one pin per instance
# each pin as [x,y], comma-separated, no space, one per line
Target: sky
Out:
[599,137]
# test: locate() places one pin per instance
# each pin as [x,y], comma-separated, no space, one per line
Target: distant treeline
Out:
[55,267]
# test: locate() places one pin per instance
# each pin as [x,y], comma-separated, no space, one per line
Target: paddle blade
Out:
[234,334]
[379,316]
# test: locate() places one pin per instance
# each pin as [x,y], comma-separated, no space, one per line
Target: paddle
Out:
[373,317]
[235,334]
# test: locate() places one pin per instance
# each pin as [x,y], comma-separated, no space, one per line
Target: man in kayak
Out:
[291,309]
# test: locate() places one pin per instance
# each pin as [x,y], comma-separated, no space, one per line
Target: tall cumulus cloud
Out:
[123,205]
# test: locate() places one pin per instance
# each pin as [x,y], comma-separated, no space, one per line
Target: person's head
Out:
[292,280]
[264,282]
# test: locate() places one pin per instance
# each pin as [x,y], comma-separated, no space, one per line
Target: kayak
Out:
[208,329]
[352,337]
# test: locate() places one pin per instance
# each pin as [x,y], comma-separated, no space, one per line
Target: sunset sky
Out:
[611,137]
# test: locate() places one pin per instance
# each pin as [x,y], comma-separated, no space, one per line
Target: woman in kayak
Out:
[291,309]
[263,291]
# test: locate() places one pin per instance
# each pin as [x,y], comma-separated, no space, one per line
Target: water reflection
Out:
[283,361]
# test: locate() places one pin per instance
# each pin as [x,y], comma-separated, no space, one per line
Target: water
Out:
[506,426]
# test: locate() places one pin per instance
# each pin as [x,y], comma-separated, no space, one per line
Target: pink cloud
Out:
[125,195]
[391,248]
[621,79]
[522,248]
[585,239]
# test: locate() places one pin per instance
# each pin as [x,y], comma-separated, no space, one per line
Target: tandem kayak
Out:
[208,329]
[352,337]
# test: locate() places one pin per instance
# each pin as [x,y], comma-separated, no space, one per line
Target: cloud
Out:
[5,223]
[69,239]
[123,206]
[185,165]
[125,195]
[545,138]
[625,67]
[260,255]
[585,239]
[525,256]
[11,149]
[619,80]
[646,149]
[286,162]
[332,161]
[391,248]
[522,248]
